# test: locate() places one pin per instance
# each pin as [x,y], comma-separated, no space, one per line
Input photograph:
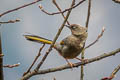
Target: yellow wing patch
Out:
[62,42]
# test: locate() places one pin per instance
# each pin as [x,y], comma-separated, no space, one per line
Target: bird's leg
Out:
[71,65]
[82,60]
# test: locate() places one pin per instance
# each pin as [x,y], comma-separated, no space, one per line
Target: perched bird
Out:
[71,46]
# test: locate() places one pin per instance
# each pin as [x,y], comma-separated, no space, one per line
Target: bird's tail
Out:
[38,39]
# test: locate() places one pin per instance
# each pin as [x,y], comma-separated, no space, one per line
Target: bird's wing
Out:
[65,41]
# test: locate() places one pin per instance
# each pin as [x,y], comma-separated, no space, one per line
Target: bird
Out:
[71,46]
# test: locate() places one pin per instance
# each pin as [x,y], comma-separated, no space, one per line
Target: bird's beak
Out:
[67,26]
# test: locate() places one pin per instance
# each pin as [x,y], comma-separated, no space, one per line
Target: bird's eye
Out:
[74,27]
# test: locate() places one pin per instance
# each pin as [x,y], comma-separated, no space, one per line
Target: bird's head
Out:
[77,30]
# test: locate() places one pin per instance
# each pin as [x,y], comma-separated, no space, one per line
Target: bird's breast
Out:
[70,52]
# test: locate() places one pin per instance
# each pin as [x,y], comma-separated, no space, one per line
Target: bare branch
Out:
[11,66]
[113,73]
[39,53]
[82,68]
[87,22]
[54,1]
[99,36]
[104,55]
[88,14]
[23,6]
[10,21]
[61,11]
[1,60]
[56,37]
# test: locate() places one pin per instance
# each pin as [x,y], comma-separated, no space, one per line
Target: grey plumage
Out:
[71,46]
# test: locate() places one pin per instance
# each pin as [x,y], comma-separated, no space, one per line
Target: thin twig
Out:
[115,71]
[39,53]
[112,74]
[10,21]
[56,37]
[25,5]
[88,14]
[87,22]
[61,11]
[54,1]
[1,60]
[11,66]
[82,68]
[104,55]
[99,36]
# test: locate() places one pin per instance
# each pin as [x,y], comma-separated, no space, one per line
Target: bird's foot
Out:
[69,63]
